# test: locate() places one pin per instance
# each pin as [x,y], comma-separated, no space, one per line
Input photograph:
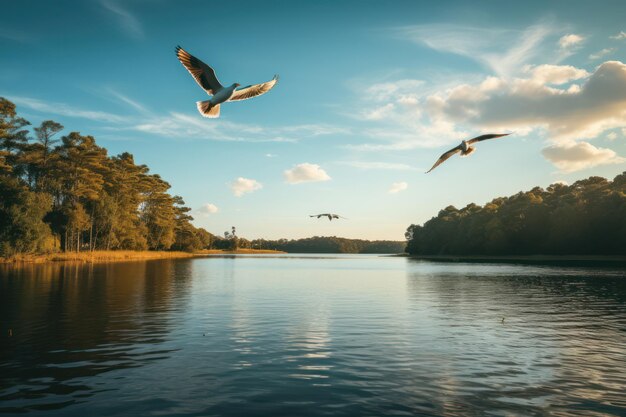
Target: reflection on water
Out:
[330,335]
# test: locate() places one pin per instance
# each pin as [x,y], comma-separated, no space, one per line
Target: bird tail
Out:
[207,109]
[469,151]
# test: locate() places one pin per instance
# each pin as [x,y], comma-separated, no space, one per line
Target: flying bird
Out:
[329,215]
[206,78]
[465,148]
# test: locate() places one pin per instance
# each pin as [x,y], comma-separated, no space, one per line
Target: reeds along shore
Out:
[121,255]
[95,256]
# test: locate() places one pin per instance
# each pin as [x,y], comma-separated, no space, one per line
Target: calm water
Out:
[312,336]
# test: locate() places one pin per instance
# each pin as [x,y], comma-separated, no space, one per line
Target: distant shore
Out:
[592,259]
[120,256]
[237,252]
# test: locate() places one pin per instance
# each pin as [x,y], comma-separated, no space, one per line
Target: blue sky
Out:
[370,94]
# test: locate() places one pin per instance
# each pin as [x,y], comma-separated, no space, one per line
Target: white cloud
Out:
[601,53]
[570,40]
[396,187]
[305,173]
[573,113]
[270,155]
[570,157]
[620,36]
[207,209]
[126,19]
[552,74]
[378,165]
[611,136]
[242,186]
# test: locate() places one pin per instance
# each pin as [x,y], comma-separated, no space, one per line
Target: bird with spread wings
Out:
[465,148]
[330,216]
[207,80]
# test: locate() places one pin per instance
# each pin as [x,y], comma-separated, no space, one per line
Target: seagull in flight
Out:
[329,215]
[465,148]
[206,78]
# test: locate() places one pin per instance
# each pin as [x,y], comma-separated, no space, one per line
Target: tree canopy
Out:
[66,193]
[585,218]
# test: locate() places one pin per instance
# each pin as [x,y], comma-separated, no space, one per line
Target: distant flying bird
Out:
[206,78]
[329,215]
[464,148]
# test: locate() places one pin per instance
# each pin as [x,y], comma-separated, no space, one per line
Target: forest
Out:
[585,218]
[316,244]
[64,193]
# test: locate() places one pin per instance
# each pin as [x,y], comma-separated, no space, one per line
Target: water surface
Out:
[312,336]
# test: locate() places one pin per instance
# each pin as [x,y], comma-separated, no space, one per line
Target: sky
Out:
[370,94]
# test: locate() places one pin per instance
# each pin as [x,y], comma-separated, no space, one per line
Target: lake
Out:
[307,335]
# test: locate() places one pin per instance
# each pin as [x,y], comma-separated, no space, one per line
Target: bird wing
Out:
[445,156]
[253,90]
[201,72]
[485,137]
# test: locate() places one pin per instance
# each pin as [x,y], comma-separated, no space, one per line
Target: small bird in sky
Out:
[329,215]
[206,78]
[465,148]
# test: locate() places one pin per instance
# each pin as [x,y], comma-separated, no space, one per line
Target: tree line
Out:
[65,193]
[585,218]
[320,244]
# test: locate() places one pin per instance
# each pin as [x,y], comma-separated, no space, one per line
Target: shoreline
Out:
[591,259]
[119,256]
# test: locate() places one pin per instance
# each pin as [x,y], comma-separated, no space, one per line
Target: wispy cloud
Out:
[305,172]
[129,101]
[396,187]
[62,109]
[366,165]
[618,37]
[175,125]
[129,23]
[504,51]
[243,186]
[602,53]
[180,125]
[14,35]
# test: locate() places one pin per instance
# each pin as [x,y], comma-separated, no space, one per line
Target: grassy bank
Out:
[122,255]
[96,256]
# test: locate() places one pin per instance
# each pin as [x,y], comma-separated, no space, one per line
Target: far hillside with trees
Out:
[585,218]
